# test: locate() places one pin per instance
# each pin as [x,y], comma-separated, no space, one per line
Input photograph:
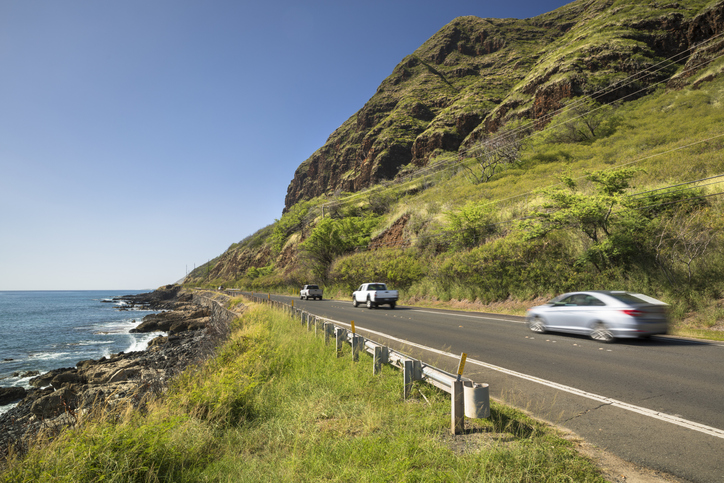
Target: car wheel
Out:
[354,302]
[536,325]
[320,298]
[601,333]
[392,305]
[370,304]
[301,297]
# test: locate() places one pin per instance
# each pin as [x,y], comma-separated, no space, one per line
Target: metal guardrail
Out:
[467,398]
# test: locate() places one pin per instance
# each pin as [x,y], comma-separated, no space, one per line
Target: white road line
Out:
[685,423]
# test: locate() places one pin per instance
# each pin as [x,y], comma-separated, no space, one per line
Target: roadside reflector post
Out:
[457,408]
[461,364]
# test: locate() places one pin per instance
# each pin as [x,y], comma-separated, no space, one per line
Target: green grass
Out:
[276,404]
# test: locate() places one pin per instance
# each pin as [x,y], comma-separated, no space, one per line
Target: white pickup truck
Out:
[311,292]
[374,294]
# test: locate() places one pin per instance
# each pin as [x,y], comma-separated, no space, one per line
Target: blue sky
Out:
[141,138]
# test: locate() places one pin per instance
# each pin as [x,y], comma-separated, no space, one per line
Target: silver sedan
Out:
[601,314]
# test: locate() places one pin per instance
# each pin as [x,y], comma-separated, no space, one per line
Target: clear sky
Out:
[141,138]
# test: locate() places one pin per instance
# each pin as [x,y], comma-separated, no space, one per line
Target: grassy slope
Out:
[277,405]
[673,136]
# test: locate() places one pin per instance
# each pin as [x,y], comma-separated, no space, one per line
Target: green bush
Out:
[398,267]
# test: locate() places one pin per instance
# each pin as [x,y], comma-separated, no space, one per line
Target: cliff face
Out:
[475,75]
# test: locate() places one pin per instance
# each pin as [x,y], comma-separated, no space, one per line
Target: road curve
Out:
[656,403]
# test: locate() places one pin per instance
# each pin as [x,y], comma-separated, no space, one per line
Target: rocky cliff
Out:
[475,75]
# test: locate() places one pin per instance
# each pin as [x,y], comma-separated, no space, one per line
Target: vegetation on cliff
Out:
[619,189]
[476,75]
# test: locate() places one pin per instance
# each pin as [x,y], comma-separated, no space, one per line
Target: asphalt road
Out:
[656,403]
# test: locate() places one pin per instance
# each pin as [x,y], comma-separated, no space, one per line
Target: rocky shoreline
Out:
[62,397]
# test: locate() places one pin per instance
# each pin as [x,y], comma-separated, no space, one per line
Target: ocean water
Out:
[40,331]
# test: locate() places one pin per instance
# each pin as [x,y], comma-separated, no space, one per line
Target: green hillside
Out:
[579,150]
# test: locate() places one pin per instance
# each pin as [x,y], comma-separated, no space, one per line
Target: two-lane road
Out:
[657,403]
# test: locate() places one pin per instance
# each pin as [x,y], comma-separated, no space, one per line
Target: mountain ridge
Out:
[475,75]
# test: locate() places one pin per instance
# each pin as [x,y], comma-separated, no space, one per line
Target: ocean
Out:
[44,330]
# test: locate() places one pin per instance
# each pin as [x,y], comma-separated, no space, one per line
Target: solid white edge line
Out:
[685,423]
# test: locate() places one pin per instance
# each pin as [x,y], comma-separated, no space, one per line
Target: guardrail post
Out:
[409,375]
[457,408]
[340,335]
[328,330]
[356,342]
[381,357]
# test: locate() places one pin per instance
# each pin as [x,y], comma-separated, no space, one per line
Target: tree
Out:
[293,220]
[495,153]
[470,226]
[334,237]
[591,214]
[682,240]
[584,121]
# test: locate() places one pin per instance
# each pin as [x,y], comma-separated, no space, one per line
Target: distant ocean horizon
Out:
[50,329]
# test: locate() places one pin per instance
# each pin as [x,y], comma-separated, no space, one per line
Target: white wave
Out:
[84,343]
[140,341]
[7,407]
[48,356]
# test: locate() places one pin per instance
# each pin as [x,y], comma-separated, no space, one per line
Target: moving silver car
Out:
[601,314]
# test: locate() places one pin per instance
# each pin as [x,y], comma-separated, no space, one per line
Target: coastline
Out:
[63,397]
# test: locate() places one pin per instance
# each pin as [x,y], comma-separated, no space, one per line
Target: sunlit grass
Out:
[278,405]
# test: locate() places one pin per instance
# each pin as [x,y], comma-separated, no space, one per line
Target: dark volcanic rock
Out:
[184,317]
[11,394]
